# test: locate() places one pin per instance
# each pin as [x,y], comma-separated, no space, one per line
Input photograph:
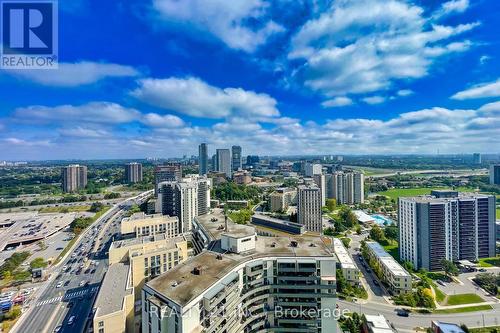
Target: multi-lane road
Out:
[66,303]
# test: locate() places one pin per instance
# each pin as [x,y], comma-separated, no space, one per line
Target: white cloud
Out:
[22,142]
[75,74]
[196,98]
[94,112]
[351,50]
[422,131]
[483,90]
[374,100]
[405,92]
[337,102]
[484,59]
[450,7]
[166,121]
[83,132]
[241,24]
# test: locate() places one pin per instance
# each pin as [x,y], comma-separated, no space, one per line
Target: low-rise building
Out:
[441,327]
[242,177]
[349,269]
[114,306]
[277,224]
[141,224]
[377,324]
[237,204]
[393,274]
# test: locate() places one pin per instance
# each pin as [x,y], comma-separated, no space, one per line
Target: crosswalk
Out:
[66,297]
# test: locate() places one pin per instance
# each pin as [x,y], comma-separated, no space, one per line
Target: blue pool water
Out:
[380,219]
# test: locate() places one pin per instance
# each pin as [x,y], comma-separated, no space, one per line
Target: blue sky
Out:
[155,78]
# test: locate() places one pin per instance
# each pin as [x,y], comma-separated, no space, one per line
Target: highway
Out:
[66,305]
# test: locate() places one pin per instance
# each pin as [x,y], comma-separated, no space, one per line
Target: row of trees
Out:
[233,191]
[489,282]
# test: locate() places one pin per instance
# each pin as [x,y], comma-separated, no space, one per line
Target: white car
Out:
[82,283]
[59,285]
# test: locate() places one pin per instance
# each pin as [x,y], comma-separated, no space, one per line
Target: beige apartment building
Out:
[141,224]
[148,256]
[115,302]
[133,262]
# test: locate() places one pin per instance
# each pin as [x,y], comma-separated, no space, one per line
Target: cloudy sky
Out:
[155,78]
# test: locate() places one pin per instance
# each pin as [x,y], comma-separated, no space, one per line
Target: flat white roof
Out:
[378,323]
[363,217]
[387,260]
[342,254]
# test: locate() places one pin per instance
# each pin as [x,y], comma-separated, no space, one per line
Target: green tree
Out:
[449,267]
[377,234]
[391,232]
[38,263]
[331,204]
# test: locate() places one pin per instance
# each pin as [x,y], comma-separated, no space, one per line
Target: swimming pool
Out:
[381,220]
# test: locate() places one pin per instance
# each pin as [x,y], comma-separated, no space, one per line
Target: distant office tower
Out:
[252,160]
[312,169]
[236,157]
[179,199]
[309,208]
[495,174]
[446,225]
[167,173]
[133,172]
[223,161]
[319,179]
[476,158]
[74,178]
[346,187]
[203,158]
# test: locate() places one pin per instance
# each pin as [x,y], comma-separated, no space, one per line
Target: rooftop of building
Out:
[214,266]
[214,225]
[444,198]
[387,259]
[363,217]
[143,216]
[131,242]
[115,286]
[342,254]
[378,324]
[276,220]
[448,327]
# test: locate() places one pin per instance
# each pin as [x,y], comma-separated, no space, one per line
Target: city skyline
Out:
[419,80]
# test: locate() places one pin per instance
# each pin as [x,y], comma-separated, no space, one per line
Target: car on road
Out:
[82,283]
[59,284]
[92,271]
[375,282]
[71,320]
[482,270]
[441,282]
[402,312]
[67,283]
[58,329]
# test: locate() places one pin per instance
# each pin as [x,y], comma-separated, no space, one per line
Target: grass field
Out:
[461,299]
[410,192]
[393,250]
[489,262]
[65,209]
[498,213]
[465,309]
